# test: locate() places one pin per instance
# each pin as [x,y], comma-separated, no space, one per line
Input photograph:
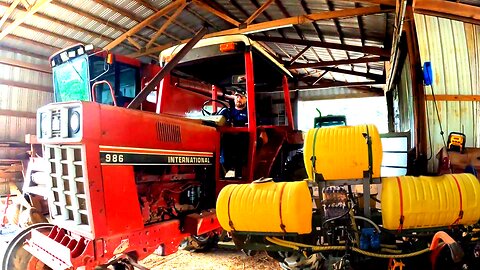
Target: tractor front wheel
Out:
[17,258]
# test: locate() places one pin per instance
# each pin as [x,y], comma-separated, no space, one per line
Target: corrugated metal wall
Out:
[452,47]
[22,92]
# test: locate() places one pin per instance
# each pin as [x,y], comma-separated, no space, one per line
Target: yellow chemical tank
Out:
[428,202]
[266,207]
[342,152]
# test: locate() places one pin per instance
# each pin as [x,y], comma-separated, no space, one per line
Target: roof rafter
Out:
[33,9]
[338,62]
[129,15]
[144,23]
[155,9]
[216,12]
[286,22]
[450,10]
[355,73]
[166,24]
[9,11]
[363,49]
[299,54]
[258,12]
[329,84]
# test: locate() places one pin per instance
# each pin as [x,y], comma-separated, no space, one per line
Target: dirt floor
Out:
[218,259]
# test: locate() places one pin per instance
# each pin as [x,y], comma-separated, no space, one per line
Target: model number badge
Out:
[113,158]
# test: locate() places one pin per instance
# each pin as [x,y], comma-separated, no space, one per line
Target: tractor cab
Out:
[229,65]
[79,73]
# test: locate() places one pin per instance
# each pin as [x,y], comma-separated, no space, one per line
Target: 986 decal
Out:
[114,158]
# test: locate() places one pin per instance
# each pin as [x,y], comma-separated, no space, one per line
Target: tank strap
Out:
[460,213]
[282,226]
[402,217]
[314,158]
[370,154]
[230,222]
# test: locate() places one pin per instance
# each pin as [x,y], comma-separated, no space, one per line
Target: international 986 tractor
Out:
[124,183]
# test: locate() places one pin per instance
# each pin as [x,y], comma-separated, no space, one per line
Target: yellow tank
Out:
[265,206]
[342,152]
[429,202]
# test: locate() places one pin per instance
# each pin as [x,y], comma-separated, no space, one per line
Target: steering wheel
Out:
[224,106]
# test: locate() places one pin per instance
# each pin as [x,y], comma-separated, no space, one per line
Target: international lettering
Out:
[188,160]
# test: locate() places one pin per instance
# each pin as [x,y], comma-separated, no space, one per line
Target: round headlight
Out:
[75,122]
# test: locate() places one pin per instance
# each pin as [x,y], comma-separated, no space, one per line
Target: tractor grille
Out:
[67,199]
[56,127]
[168,132]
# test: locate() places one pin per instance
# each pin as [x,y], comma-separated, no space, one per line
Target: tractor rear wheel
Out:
[297,261]
[17,258]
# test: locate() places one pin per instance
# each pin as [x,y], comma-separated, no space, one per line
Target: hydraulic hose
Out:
[298,246]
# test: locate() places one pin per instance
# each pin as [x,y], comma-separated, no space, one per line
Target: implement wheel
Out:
[17,258]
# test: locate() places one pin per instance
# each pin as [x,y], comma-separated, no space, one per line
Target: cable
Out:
[369,221]
[298,246]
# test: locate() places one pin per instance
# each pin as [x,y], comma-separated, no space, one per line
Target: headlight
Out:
[75,122]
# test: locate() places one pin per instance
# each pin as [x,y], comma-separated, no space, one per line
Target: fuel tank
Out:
[341,152]
[427,202]
[266,207]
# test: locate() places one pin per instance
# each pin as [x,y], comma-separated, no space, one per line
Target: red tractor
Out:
[125,183]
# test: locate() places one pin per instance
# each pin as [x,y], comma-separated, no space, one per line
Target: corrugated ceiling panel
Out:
[22,99]
[450,46]
[15,129]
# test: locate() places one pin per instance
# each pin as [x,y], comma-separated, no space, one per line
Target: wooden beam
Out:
[450,10]
[330,84]
[25,65]
[19,20]
[258,12]
[302,19]
[26,4]
[131,16]
[355,73]
[316,27]
[9,11]
[222,15]
[298,55]
[453,97]
[18,114]
[155,9]
[166,24]
[337,62]
[26,85]
[134,43]
[296,20]
[363,49]
[144,23]
[378,2]
[418,90]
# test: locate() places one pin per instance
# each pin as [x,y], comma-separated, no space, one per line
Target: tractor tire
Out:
[199,242]
[17,258]
[297,261]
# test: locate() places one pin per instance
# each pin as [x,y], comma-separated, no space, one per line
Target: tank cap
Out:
[263,180]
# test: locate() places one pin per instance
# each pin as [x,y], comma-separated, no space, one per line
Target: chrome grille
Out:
[68,185]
